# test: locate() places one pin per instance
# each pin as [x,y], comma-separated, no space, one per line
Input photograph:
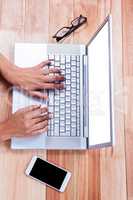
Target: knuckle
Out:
[25,116]
[27,125]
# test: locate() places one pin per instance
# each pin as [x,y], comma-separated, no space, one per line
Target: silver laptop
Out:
[83,111]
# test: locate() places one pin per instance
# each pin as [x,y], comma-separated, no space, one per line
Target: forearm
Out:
[8,70]
[4,132]
[4,63]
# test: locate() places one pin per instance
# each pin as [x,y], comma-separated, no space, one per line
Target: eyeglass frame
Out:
[71,28]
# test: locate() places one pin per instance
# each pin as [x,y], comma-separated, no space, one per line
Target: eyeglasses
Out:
[67,30]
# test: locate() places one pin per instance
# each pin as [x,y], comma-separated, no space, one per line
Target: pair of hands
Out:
[33,119]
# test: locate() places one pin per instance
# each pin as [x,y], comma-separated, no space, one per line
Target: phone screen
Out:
[48,173]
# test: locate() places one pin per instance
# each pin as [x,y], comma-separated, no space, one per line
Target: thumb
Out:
[38,95]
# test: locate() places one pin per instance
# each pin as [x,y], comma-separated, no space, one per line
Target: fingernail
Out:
[50,115]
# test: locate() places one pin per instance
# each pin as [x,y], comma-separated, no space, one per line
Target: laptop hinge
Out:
[86,98]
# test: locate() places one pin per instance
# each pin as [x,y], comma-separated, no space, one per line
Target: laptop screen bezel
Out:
[107,20]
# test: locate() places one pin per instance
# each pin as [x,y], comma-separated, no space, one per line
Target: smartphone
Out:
[48,173]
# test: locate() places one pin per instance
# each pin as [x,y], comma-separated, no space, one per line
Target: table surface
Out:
[96,174]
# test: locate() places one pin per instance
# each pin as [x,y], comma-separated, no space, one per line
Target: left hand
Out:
[34,79]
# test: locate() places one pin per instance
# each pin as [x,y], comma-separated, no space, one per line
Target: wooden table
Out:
[105,174]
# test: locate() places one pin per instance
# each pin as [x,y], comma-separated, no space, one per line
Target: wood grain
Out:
[96,174]
[128,85]
[113,171]
[19,21]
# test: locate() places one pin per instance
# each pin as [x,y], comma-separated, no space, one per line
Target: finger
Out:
[42,118]
[53,86]
[55,70]
[38,112]
[47,71]
[38,94]
[43,64]
[37,132]
[30,108]
[52,78]
[39,126]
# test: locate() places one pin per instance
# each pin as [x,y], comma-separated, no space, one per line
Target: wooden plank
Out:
[127,10]
[61,14]
[15,17]
[84,165]
[113,171]
[91,159]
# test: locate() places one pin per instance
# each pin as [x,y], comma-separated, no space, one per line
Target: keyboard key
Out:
[62,117]
[73,75]
[78,92]
[73,113]
[51,109]
[73,57]
[56,103]
[68,116]
[62,66]
[78,75]
[68,128]
[73,62]
[52,64]
[68,98]
[56,120]
[73,132]
[78,69]
[68,76]
[56,115]
[68,82]
[62,106]
[68,65]
[57,109]
[57,64]
[73,107]
[68,93]
[56,97]
[73,79]
[73,119]
[56,131]
[62,111]
[57,57]
[51,57]
[68,121]
[68,59]
[68,71]
[67,104]
[73,96]
[73,85]
[73,125]
[62,123]
[78,65]
[68,87]
[73,90]
[62,59]
[73,101]
[62,129]
[68,110]
[62,95]
[78,58]
[73,68]
[62,100]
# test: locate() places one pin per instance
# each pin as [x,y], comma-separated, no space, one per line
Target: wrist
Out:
[9,71]
[4,132]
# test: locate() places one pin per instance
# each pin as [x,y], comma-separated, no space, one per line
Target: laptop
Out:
[83,111]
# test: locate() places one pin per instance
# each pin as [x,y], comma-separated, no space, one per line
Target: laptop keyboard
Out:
[65,104]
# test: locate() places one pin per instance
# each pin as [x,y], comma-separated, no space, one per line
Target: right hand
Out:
[27,122]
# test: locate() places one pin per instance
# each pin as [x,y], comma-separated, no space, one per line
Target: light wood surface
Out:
[96,174]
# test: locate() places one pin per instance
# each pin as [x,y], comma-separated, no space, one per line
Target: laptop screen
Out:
[100,114]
